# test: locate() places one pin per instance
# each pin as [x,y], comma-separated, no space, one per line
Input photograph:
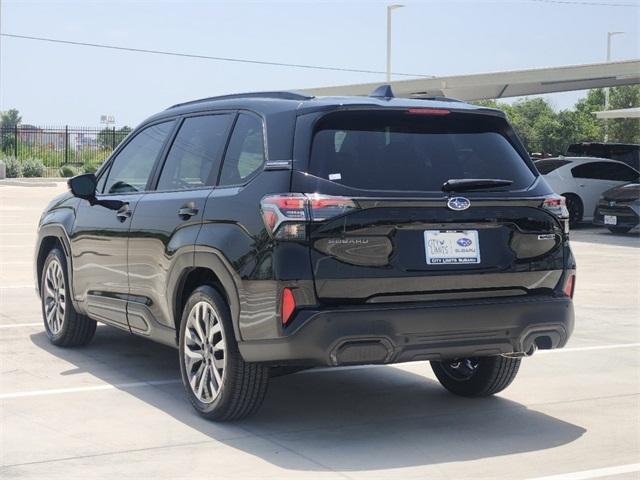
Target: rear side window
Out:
[245,153]
[194,158]
[548,166]
[397,150]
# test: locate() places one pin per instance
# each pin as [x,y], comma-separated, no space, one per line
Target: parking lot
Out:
[116,409]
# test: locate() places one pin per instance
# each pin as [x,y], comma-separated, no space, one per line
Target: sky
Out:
[53,84]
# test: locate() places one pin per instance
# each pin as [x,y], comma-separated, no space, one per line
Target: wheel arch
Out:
[49,237]
[578,198]
[212,269]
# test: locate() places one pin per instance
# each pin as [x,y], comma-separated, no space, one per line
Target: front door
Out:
[167,221]
[99,239]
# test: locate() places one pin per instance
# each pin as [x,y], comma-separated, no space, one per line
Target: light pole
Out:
[606,90]
[390,8]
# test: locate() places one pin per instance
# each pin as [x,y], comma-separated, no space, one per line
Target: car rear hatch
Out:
[382,230]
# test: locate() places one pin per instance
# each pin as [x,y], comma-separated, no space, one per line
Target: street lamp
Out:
[390,8]
[606,90]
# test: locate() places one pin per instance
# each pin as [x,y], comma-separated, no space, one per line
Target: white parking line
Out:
[587,349]
[57,391]
[17,325]
[597,473]
[7,287]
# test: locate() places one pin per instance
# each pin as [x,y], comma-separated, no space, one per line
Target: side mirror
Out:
[84,186]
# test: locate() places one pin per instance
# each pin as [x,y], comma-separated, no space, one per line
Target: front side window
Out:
[402,151]
[132,166]
[194,158]
[245,153]
[588,170]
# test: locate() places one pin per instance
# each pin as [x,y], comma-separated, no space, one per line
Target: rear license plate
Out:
[610,220]
[446,247]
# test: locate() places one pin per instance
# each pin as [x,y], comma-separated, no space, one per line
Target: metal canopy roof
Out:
[504,84]
[621,113]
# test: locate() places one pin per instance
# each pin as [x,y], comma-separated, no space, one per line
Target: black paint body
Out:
[379,302]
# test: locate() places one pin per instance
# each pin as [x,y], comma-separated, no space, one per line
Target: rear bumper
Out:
[626,216]
[395,333]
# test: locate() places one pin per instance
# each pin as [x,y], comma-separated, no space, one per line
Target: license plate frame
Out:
[452,247]
[610,220]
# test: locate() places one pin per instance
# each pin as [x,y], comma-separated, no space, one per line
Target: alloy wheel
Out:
[461,368]
[204,352]
[55,296]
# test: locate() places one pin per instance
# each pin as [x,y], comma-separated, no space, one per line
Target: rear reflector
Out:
[569,286]
[288,305]
[428,111]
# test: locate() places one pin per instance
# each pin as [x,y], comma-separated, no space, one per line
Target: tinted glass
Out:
[194,158]
[132,167]
[548,166]
[605,171]
[622,173]
[402,151]
[592,170]
[245,153]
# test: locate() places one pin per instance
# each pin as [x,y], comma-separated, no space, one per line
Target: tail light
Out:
[569,285]
[286,216]
[287,306]
[557,205]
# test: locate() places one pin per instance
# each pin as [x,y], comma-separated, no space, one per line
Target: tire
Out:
[65,327]
[574,206]
[225,387]
[619,229]
[485,375]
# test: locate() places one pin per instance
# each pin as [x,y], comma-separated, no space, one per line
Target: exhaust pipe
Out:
[528,353]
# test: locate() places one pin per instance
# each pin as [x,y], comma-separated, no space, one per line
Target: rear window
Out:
[398,150]
[548,166]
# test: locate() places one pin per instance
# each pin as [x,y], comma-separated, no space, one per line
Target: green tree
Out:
[10,118]
[624,130]
[8,121]
[109,138]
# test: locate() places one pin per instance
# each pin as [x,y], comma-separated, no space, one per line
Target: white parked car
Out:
[582,180]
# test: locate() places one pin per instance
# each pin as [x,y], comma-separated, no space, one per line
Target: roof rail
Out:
[276,95]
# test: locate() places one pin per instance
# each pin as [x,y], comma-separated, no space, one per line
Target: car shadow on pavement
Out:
[379,417]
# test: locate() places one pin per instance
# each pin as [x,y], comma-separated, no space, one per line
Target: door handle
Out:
[187,211]
[123,212]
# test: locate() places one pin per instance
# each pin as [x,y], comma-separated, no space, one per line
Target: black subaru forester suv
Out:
[281,230]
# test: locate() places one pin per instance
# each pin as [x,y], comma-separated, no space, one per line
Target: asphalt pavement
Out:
[116,409]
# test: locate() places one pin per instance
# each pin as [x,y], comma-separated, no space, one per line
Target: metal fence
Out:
[83,148]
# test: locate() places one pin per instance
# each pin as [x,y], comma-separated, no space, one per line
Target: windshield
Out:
[398,150]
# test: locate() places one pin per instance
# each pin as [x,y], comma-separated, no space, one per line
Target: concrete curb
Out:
[32,182]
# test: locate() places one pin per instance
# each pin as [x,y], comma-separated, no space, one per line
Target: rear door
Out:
[168,218]
[400,237]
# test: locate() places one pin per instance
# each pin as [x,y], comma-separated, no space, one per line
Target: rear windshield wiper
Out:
[462,184]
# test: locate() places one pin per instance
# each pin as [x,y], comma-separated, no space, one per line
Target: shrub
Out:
[33,167]
[14,169]
[67,171]
[90,167]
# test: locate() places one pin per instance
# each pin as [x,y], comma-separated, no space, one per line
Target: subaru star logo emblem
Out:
[612,203]
[464,242]
[458,203]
